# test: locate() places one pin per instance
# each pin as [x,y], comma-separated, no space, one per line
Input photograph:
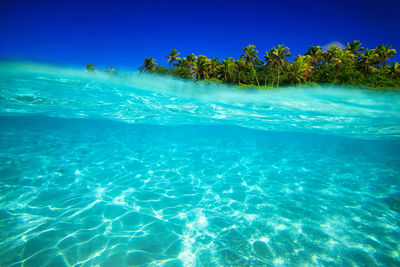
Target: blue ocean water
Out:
[136,170]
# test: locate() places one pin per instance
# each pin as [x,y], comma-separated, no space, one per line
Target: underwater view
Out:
[103,169]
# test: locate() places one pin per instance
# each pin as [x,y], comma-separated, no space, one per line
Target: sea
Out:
[128,169]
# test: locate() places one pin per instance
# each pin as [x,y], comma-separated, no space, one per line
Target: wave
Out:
[66,92]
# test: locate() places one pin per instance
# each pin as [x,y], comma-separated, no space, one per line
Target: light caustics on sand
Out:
[125,170]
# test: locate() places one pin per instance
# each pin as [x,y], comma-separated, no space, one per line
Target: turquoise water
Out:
[127,170]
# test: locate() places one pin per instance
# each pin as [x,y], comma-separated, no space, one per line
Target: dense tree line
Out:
[353,65]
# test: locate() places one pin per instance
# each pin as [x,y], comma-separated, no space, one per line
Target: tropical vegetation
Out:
[352,65]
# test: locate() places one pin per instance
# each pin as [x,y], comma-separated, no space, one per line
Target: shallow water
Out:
[136,170]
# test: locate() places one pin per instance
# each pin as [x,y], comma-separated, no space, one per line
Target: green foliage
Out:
[110,70]
[395,70]
[316,54]
[384,54]
[214,67]
[354,66]
[380,79]
[226,70]
[246,86]
[173,57]
[213,80]
[276,58]
[251,59]
[182,72]
[161,70]
[301,69]
[90,67]
[201,68]
[149,64]
[368,61]
[354,48]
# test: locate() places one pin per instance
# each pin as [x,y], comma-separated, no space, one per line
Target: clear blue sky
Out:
[122,33]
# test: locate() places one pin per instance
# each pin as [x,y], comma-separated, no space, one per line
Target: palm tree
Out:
[149,64]
[270,59]
[183,63]
[191,60]
[90,67]
[214,66]
[201,68]
[385,52]
[250,56]
[330,65]
[315,52]
[395,69]
[342,56]
[277,57]
[110,70]
[330,54]
[226,68]
[367,60]
[240,67]
[355,48]
[281,53]
[301,68]
[173,57]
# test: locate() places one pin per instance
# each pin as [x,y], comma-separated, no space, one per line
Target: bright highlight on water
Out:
[128,170]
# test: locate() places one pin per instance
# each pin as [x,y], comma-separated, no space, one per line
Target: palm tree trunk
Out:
[258,83]
[255,72]
[277,85]
[334,79]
